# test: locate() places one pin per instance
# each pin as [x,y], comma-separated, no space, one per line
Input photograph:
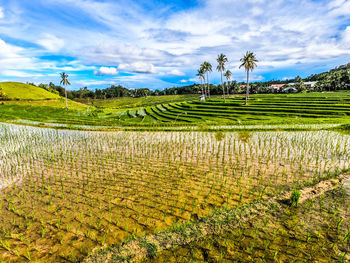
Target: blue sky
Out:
[160,44]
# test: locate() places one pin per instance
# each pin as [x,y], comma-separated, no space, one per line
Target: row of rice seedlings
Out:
[94,189]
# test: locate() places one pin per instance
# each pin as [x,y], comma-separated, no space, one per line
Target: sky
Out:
[161,43]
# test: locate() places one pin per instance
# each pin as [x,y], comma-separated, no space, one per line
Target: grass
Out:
[53,103]
[21,91]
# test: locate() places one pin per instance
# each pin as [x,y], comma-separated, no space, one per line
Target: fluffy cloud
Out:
[138,67]
[175,72]
[1,12]
[13,57]
[103,71]
[51,42]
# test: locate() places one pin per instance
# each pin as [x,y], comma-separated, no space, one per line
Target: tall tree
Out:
[221,59]
[206,69]
[228,75]
[65,82]
[200,75]
[202,69]
[249,63]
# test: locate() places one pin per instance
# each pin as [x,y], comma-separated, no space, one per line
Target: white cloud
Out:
[346,36]
[12,57]
[20,74]
[175,72]
[256,78]
[138,67]
[106,71]
[339,8]
[183,81]
[51,42]
[1,12]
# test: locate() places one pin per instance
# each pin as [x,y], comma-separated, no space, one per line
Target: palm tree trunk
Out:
[208,85]
[65,92]
[223,88]
[228,88]
[202,88]
[247,94]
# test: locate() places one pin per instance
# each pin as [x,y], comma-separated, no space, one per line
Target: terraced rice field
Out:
[261,108]
[65,193]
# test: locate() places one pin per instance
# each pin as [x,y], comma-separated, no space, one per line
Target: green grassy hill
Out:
[17,93]
[21,91]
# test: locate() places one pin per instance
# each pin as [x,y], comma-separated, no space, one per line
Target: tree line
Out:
[333,80]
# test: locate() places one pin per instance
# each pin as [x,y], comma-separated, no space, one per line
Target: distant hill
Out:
[340,70]
[21,91]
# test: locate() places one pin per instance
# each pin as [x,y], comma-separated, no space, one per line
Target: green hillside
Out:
[21,91]
[330,107]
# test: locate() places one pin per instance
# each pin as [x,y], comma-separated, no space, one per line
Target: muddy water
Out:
[318,231]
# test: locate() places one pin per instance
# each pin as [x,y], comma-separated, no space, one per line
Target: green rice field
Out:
[65,194]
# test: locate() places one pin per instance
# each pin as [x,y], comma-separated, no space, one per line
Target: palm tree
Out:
[200,75]
[249,62]
[202,69]
[65,82]
[222,59]
[228,75]
[206,69]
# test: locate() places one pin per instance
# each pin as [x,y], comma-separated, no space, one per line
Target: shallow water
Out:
[69,192]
